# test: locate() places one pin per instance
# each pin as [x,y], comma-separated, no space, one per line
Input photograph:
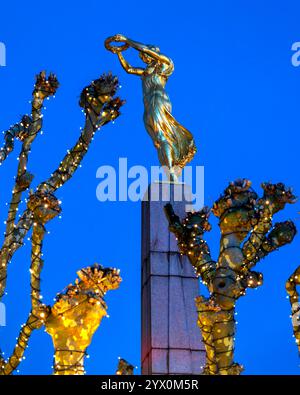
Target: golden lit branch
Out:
[189,235]
[33,322]
[19,130]
[44,208]
[124,368]
[276,196]
[291,287]
[282,233]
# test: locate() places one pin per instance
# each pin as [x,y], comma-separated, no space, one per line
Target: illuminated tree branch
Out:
[291,287]
[189,235]
[282,233]
[276,196]
[124,368]
[33,322]
[240,212]
[19,130]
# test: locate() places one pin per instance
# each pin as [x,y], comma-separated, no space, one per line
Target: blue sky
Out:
[234,87]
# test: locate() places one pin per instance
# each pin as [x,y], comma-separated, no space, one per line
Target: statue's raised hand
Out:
[120,38]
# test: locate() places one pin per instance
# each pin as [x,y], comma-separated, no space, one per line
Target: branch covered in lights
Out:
[247,236]
[124,368]
[291,287]
[17,131]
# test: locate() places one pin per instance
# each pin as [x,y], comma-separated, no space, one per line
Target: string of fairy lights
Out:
[73,368]
[189,235]
[293,295]
[240,213]
[20,131]
[99,108]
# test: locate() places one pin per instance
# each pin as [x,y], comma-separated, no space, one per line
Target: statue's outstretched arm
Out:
[127,67]
[144,48]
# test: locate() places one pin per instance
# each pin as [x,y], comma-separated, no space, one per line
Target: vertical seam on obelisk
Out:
[186,317]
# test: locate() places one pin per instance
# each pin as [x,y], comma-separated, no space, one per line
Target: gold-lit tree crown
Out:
[44,206]
[76,315]
[97,98]
[100,277]
[238,194]
[100,90]
[45,86]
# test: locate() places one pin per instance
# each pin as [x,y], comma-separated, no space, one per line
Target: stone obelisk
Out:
[171,340]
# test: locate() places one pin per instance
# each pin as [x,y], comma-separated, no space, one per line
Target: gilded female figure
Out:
[174,143]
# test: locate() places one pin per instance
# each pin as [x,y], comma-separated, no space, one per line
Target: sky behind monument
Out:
[234,87]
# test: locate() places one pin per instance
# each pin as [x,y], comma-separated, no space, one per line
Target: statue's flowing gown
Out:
[174,143]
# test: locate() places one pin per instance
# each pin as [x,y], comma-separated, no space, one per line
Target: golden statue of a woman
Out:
[174,143]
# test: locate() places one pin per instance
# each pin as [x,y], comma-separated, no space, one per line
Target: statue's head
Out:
[146,58]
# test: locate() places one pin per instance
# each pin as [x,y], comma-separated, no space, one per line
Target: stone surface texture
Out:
[171,340]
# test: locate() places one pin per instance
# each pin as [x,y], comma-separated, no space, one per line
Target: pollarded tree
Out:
[247,236]
[100,107]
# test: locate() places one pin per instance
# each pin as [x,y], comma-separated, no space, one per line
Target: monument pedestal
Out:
[171,340]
